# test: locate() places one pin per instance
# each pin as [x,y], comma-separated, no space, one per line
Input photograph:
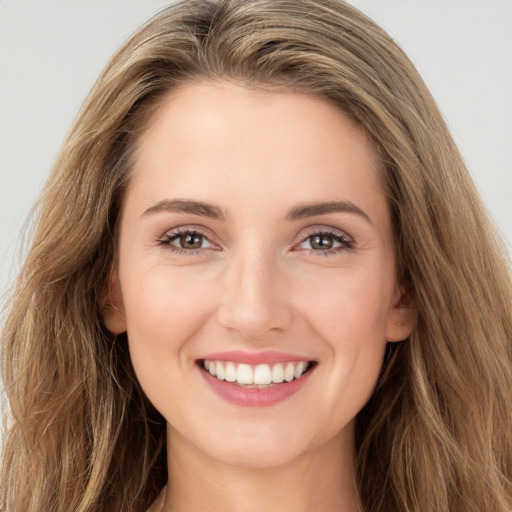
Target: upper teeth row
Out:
[259,375]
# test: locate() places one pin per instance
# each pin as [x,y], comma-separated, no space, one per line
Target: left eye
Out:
[325,242]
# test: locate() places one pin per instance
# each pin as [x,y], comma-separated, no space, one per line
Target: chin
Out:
[259,445]
[257,454]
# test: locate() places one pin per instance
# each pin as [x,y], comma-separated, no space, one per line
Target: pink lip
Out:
[254,397]
[253,358]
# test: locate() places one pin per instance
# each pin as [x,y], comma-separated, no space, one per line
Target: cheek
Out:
[350,305]
[348,316]
[163,297]
[164,312]
[164,309]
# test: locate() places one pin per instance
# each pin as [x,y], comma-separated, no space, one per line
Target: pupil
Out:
[321,242]
[191,241]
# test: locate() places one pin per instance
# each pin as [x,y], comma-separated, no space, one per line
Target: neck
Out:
[320,480]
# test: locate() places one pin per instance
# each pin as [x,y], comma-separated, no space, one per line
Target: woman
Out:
[261,279]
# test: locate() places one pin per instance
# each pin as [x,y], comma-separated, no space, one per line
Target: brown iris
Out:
[191,241]
[322,242]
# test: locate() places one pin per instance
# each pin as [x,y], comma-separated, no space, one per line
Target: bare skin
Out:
[322,483]
[255,223]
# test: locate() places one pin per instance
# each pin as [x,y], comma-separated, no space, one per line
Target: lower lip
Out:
[254,397]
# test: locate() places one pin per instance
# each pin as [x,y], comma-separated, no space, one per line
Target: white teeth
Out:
[230,372]
[277,373]
[289,372]
[261,375]
[300,369]
[219,370]
[244,374]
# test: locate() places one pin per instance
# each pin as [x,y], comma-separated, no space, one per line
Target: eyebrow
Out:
[313,209]
[213,212]
[185,206]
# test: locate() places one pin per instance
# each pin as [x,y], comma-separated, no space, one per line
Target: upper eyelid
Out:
[325,230]
[192,228]
[179,230]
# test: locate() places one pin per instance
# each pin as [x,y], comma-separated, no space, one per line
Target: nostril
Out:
[253,304]
[254,322]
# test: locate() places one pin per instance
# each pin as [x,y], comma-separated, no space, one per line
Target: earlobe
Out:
[402,317]
[112,308]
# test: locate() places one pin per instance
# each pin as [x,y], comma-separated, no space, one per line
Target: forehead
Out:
[212,138]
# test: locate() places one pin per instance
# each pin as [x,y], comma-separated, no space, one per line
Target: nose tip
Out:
[252,324]
[255,303]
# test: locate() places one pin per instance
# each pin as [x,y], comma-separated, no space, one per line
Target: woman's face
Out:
[256,275]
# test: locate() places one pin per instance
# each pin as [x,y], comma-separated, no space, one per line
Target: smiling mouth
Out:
[258,376]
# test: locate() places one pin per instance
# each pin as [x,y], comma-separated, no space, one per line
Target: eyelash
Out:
[346,242]
[165,241]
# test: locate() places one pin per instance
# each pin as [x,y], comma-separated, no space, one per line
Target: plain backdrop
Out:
[52,50]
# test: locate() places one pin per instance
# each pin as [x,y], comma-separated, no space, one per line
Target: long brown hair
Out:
[437,433]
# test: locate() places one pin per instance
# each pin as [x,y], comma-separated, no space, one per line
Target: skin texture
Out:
[256,283]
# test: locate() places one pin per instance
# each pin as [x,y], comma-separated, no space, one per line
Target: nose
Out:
[255,298]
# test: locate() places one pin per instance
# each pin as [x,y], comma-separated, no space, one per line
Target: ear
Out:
[402,317]
[112,308]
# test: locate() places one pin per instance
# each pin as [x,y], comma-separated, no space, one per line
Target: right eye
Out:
[185,241]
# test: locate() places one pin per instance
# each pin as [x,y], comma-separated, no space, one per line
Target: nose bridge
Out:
[253,303]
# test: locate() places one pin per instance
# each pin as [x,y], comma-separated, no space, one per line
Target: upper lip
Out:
[254,358]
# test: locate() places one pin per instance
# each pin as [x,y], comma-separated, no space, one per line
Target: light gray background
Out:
[52,50]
